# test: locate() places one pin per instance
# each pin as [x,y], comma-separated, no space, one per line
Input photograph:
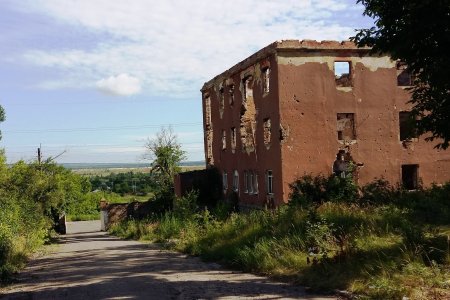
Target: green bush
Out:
[308,190]
[31,196]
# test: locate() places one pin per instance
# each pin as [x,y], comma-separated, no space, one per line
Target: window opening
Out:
[224,140]
[248,90]
[255,183]
[245,182]
[225,181]
[269,182]
[407,126]
[236,181]
[250,180]
[346,127]
[231,94]
[342,73]
[266,79]
[410,177]
[221,101]
[404,76]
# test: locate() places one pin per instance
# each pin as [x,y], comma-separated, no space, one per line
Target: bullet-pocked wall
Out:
[242,130]
[294,107]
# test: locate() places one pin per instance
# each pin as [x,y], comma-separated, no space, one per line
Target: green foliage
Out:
[186,207]
[166,155]
[31,196]
[125,183]
[309,190]
[417,33]
[373,248]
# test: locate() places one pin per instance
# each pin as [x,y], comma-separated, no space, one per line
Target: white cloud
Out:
[173,46]
[120,85]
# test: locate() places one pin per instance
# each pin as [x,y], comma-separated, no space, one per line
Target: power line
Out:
[95,145]
[106,102]
[86,129]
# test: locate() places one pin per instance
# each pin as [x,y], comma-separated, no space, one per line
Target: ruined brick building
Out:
[295,106]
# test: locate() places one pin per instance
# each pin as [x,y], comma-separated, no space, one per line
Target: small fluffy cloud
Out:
[120,85]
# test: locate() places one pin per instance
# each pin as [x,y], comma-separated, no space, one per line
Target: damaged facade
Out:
[296,107]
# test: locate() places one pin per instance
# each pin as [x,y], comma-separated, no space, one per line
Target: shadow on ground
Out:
[94,265]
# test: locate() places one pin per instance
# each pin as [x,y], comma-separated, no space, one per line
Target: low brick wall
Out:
[117,212]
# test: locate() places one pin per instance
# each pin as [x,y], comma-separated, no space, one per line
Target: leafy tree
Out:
[417,32]
[166,155]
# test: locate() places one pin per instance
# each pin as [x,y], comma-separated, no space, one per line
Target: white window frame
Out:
[255,183]
[246,183]
[236,181]
[269,182]
[225,181]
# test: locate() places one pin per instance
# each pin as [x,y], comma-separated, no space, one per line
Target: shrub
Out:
[308,190]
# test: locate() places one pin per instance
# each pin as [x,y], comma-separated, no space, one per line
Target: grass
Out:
[83,217]
[366,250]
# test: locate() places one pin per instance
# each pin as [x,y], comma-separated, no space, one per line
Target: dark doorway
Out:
[410,177]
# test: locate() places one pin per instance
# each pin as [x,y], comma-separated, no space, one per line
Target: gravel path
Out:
[90,264]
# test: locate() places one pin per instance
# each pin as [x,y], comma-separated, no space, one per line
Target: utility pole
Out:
[39,154]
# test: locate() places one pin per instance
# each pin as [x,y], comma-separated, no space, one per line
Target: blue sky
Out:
[97,78]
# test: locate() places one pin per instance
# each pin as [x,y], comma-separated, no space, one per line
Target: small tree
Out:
[166,155]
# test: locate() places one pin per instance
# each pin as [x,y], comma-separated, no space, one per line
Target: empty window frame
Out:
[404,76]
[225,181]
[221,101]
[269,182]
[255,183]
[235,181]
[231,94]
[250,181]
[342,73]
[266,79]
[407,126]
[346,126]
[248,89]
[224,139]
[410,177]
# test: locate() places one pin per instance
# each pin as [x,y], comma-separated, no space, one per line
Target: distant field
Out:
[101,169]
[107,171]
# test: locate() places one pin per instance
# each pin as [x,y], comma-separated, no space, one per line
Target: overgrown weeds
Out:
[380,244]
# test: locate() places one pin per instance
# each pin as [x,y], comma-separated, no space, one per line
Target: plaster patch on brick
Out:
[371,63]
[248,116]
[267,133]
[221,97]
[209,144]
[284,133]
[233,139]
[208,131]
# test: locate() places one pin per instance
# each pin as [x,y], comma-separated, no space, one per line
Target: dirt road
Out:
[89,264]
